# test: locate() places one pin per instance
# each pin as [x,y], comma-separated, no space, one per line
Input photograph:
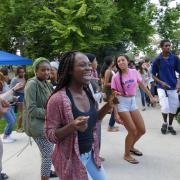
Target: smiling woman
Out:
[71,121]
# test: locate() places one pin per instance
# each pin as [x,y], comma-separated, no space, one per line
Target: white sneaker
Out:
[8,139]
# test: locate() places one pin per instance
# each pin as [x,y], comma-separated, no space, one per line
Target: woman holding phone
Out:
[71,121]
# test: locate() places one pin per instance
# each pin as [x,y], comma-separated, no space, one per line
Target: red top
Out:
[66,156]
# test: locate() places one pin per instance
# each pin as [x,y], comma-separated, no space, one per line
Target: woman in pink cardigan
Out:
[71,120]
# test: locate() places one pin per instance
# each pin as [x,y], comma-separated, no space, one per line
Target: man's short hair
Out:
[164,41]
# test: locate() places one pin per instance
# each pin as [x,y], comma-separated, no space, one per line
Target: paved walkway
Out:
[161,160]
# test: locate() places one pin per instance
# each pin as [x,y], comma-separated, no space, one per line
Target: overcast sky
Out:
[172,4]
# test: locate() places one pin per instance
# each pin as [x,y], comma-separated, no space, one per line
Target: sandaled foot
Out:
[113,129]
[131,160]
[136,152]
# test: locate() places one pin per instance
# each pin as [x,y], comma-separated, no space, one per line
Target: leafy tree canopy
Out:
[48,27]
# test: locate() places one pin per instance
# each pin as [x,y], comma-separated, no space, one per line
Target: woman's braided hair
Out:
[66,64]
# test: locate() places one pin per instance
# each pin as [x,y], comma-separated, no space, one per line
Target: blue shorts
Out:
[21,96]
[126,104]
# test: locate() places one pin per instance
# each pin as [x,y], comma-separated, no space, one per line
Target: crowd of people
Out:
[60,107]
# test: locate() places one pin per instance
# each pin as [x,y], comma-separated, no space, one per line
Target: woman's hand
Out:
[80,123]
[165,85]
[116,93]
[118,119]
[18,86]
[113,100]
[153,101]
[4,106]
[15,98]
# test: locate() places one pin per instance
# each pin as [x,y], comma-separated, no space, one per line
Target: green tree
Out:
[70,24]
[135,19]
[169,24]
[45,28]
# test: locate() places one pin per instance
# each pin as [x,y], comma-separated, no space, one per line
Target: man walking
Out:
[164,71]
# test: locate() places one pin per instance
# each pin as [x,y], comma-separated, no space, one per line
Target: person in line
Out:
[53,73]
[71,121]
[37,92]
[20,78]
[163,70]
[143,70]
[106,75]
[124,84]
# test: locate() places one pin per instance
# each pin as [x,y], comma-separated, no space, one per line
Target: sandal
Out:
[136,152]
[113,129]
[132,161]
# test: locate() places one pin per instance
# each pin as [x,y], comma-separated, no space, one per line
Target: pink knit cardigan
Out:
[66,156]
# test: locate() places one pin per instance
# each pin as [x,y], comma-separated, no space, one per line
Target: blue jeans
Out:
[144,97]
[10,117]
[93,172]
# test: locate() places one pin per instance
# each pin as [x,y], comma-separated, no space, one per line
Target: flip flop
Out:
[136,152]
[132,161]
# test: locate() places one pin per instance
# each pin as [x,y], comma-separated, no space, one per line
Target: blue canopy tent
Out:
[7,59]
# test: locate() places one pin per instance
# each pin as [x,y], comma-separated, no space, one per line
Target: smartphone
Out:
[17,97]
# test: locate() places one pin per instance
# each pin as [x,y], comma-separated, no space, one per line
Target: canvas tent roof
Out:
[12,59]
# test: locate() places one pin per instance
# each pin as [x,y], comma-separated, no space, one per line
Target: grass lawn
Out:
[3,124]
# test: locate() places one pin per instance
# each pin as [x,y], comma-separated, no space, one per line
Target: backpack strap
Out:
[157,61]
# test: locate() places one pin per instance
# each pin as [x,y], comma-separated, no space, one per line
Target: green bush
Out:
[29,72]
[178,118]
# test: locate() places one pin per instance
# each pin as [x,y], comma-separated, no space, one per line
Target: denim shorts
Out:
[126,104]
[21,96]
